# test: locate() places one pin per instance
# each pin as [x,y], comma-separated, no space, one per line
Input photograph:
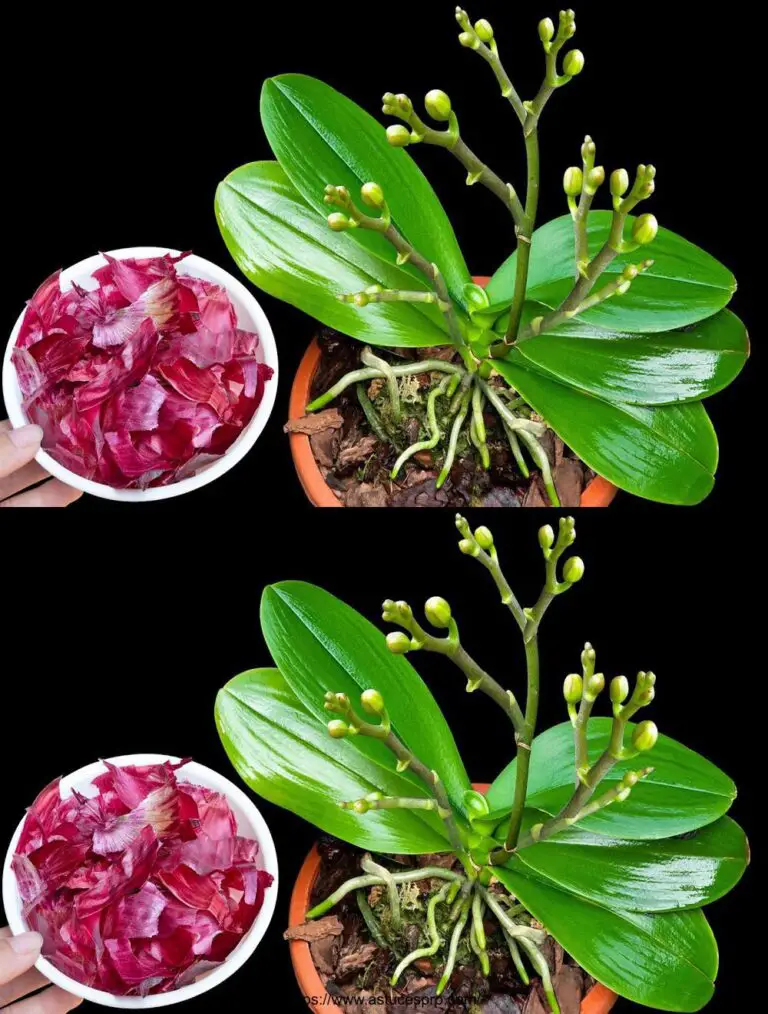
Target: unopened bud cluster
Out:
[371,701]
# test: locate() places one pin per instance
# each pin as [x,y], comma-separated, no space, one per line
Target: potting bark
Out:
[356,463]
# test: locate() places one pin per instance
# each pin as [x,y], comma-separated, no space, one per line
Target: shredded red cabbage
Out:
[142,381]
[142,887]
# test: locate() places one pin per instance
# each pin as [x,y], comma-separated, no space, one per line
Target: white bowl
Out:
[250,823]
[250,317]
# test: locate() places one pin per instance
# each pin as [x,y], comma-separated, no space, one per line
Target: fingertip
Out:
[25,943]
[26,436]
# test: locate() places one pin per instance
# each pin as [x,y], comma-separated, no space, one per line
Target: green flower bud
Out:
[573,63]
[568,23]
[374,797]
[588,658]
[573,570]
[484,538]
[373,195]
[623,795]
[339,222]
[388,611]
[372,702]
[398,642]
[619,689]
[438,612]
[630,779]
[645,736]
[595,686]
[484,30]
[646,697]
[404,104]
[469,547]
[573,688]
[338,729]
[645,230]
[469,40]
[573,181]
[438,105]
[588,149]
[546,30]
[361,299]
[404,609]
[619,182]
[546,537]
[630,273]
[374,290]
[398,136]
[361,806]
[595,179]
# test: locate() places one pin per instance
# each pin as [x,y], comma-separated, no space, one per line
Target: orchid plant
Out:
[601,831]
[567,335]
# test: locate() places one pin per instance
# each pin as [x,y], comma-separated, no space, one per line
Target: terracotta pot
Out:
[599,1000]
[599,492]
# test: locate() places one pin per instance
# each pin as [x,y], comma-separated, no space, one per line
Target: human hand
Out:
[19,470]
[19,978]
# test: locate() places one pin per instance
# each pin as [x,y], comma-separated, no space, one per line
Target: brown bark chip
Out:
[317,929]
[536,1003]
[325,445]
[330,419]
[325,954]
[569,989]
[366,495]
[356,960]
[356,453]
[569,482]
[535,495]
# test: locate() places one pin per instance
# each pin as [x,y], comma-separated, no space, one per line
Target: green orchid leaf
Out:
[321,644]
[321,137]
[285,248]
[667,453]
[684,285]
[657,369]
[685,791]
[667,961]
[285,755]
[687,871]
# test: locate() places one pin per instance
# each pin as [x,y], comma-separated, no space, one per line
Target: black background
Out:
[123,627]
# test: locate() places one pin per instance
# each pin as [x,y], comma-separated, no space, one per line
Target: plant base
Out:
[340,463]
[346,963]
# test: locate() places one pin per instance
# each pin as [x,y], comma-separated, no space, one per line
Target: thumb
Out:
[18,955]
[17,447]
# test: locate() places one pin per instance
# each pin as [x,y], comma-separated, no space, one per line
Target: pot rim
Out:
[599,1000]
[599,492]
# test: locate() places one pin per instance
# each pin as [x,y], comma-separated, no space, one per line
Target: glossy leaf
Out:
[658,369]
[667,961]
[285,248]
[650,876]
[684,285]
[666,453]
[320,136]
[321,644]
[286,755]
[685,791]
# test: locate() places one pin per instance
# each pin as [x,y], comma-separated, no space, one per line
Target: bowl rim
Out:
[244,950]
[241,446]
